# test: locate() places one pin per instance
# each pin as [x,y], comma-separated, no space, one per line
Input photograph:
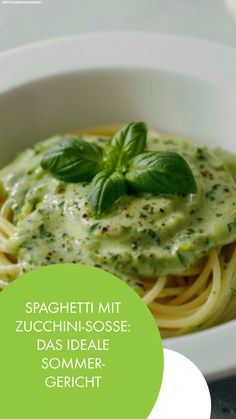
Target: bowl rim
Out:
[210,61]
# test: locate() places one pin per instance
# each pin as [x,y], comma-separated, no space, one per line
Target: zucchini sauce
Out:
[141,236]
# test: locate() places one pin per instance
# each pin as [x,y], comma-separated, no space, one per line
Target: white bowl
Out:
[177,85]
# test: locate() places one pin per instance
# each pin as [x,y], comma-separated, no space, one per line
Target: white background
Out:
[184,393]
[210,19]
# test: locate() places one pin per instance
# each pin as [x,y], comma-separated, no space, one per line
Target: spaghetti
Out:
[199,297]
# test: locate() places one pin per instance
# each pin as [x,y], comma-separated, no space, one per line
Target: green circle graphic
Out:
[77,342]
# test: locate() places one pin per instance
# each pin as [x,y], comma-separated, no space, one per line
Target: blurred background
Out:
[25,21]
[22,23]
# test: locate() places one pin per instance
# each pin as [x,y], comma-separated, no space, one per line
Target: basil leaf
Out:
[73,160]
[126,144]
[105,190]
[161,173]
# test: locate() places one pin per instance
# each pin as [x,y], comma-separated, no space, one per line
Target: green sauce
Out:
[141,236]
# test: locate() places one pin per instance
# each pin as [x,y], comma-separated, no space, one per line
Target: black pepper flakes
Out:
[134,245]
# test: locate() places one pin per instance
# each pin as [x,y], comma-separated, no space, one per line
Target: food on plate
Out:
[156,210]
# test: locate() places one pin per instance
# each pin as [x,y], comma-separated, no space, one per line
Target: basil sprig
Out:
[123,165]
[126,144]
[73,160]
[162,172]
[106,188]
